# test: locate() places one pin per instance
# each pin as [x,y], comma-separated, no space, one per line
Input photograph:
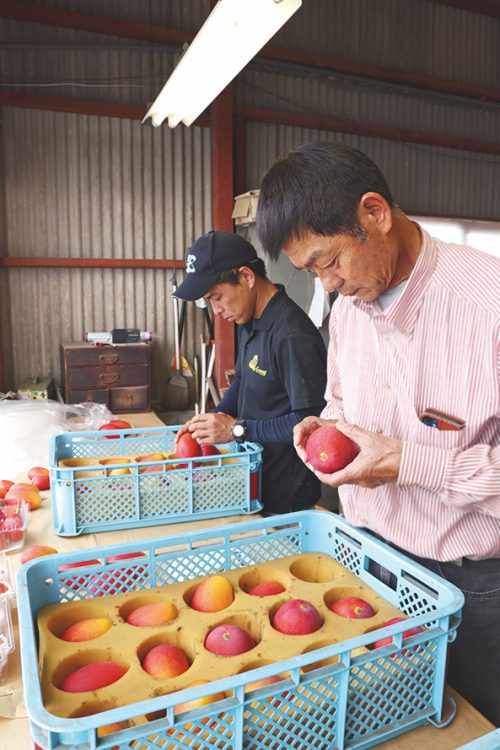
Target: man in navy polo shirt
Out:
[280,372]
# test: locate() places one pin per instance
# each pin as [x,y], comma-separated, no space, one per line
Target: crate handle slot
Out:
[419,584]
[348,537]
[109,378]
[109,359]
[384,575]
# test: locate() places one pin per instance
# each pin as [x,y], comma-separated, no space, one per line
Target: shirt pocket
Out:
[419,432]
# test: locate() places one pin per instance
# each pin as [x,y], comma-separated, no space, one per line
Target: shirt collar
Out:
[404,311]
[266,320]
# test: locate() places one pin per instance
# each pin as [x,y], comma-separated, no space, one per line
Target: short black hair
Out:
[316,187]
[233,275]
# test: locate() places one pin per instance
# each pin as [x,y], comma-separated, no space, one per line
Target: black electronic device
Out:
[125,335]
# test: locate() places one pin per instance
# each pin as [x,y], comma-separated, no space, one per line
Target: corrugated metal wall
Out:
[415,36]
[84,187]
[81,186]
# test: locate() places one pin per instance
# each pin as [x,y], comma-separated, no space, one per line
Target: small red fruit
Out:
[26,492]
[93,676]
[187,447]
[209,450]
[12,522]
[352,607]
[37,550]
[39,477]
[267,588]
[328,450]
[228,640]
[115,424]
[406,634]
[165,661]
[5,485]
[68,566]
[297,617]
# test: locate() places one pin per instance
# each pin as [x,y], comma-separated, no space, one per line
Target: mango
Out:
[187,447]
[267,588]
[165,661]
[329,450]
[39,476]
[87,630]
[228,640]
[93,676]
[110,728]
[150,615]
[213,594]
[297,617]
[36,550]
[26,492]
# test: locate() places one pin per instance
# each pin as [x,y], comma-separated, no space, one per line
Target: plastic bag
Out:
[27,426]
[85,416]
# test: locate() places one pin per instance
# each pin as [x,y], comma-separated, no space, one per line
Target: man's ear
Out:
[247,276]
[374,212]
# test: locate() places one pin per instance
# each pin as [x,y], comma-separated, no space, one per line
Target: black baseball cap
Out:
[212,254]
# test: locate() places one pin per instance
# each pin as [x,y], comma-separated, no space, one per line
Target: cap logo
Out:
[190,263]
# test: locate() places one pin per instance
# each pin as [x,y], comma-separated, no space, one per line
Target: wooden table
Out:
[468,724]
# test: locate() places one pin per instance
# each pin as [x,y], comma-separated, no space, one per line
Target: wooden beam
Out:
[95,24]
[80,106]
[36,262]
[222,208]
[483,7]
[360,128]
[240,153]
[379,73]
[66,104]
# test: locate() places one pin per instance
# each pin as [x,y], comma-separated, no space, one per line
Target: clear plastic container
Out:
[13,524]
[7,598]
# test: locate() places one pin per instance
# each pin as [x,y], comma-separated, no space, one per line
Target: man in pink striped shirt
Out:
[416,327]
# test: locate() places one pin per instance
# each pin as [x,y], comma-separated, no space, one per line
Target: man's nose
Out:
[329,281]
[217,309]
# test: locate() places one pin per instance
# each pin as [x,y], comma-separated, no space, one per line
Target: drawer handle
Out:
[109,379]
[109,359]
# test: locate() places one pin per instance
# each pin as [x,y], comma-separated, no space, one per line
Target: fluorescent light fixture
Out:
[230,37]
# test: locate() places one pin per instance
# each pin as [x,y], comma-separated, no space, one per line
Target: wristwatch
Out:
[239,431]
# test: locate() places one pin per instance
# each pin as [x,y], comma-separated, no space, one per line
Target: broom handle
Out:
[210,368]
[203,377]
[176,335]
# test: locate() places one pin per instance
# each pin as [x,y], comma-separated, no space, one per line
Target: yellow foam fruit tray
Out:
[98,466]
[314,577]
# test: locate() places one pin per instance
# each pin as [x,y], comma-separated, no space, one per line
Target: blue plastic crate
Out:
[490,741]
[88,496]
[357,702]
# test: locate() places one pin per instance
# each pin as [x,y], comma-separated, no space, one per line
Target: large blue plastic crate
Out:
[357,702]
[490,741]
[87,499]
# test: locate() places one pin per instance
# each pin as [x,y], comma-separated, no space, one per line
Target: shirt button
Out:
[364,522]
[379,431]
[386,385]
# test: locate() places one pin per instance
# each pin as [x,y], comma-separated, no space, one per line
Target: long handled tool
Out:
[177,396]
[211,387]
[203,403]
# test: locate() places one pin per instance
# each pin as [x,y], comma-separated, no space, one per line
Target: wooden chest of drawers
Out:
[117,375]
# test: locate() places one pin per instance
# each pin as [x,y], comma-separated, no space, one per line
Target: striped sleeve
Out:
[466,480]
[333,393]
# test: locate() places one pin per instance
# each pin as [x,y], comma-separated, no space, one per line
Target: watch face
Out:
[238,430]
